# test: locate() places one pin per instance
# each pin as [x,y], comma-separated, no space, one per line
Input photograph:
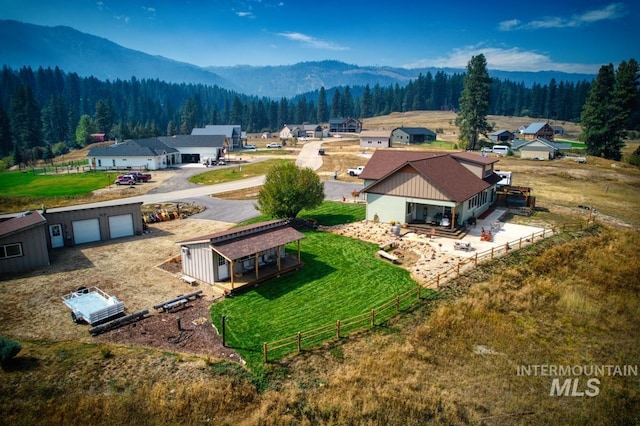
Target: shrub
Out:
[8,350]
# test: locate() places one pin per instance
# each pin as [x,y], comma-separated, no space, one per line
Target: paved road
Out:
[178,188]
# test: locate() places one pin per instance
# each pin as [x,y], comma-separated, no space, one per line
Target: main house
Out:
[241,256]
[428,187]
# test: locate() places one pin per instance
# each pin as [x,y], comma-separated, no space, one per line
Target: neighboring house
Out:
[135,154]
[375,139]
[99,137]
[412,135]
[69,226]
[501,136]
[539,149]
[245,255]
[345,125]
[290,131]
[232,132]
[23,243]
[558,130]
[422,187]
[196,148]
[538,130]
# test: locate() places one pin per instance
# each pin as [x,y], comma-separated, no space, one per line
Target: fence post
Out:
[223,324]
[532,237]
[264,351]
[491,253]
[475,260]
[338,329]
[458,270]
[397,304]
[299,342]
[373,318]
[438,280]
[418,292]
[506,248]
[520,243]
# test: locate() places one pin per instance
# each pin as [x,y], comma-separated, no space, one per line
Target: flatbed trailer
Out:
[92,305]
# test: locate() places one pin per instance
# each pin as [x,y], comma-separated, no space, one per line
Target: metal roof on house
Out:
[519,144]
[442,170]
[26,220]
[194,141]
[133,148]
[533,128]
[415,130]
[375,134]
[229,130]
[244,241]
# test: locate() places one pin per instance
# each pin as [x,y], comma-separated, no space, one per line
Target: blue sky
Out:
[567,36]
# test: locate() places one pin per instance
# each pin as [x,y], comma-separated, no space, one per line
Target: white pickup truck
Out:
[356,171]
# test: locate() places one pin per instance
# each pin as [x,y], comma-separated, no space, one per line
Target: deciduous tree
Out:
[288,189]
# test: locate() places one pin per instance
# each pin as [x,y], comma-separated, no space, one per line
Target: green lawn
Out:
[341,278]
[242,171]
[19,184]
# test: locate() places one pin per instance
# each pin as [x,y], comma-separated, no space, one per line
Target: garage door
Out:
[85,231]
[121,226]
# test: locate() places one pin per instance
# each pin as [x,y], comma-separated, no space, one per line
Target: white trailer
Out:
[92,305]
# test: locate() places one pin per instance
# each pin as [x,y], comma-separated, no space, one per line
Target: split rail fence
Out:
[344,327]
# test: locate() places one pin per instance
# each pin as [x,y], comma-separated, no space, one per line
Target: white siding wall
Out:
[385,207]
[199,263]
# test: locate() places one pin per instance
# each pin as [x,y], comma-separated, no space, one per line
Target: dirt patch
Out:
[186,330]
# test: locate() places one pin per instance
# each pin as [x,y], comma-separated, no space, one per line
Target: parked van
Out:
[500,149]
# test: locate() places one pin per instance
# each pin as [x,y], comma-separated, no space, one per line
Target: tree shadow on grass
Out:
[21,363]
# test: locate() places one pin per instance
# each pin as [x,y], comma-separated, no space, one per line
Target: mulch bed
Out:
[160,330]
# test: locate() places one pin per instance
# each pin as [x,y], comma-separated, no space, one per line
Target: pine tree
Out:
[607,109]
[474,102]
[322,115]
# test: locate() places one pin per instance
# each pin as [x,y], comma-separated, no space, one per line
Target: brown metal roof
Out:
[441,170]
[22,222]
[243,246]
[246,240]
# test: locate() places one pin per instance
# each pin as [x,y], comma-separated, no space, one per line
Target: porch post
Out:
[279,265]
[255,262]
[453,218]
[232,274]
[298,252]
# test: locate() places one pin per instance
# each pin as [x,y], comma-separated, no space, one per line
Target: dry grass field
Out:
[572,300]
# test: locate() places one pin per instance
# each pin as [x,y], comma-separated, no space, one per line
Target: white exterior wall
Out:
[375,142]
[199,262]
[134,163]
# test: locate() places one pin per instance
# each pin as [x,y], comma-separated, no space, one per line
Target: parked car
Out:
[125,180]
[141,177]
[355,171]
[250,146]
[274,145]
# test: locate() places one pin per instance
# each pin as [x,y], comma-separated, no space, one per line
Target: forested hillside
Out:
[46,111]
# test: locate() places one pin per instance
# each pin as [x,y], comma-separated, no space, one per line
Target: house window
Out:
[221,261]
[99,163]
[10,250]
[113,162]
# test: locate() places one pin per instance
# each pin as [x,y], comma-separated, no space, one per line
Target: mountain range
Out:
[36,46]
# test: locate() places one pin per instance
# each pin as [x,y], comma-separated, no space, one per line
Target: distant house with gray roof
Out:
[232,132]
[134,154]
[412,135]
[502,136]
[538,130]
[539,148]
[197,148]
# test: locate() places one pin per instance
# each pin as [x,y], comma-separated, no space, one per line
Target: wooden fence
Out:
[393,307]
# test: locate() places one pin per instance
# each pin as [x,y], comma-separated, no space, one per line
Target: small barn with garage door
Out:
[70,226]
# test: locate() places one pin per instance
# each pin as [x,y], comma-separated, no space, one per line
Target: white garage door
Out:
[85,231]
[121,226]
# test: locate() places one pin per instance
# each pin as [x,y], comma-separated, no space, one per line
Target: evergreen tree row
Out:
[46,111]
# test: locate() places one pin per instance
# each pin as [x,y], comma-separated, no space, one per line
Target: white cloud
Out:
[512,59]
[311,42]
[609,12]
[245,14]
